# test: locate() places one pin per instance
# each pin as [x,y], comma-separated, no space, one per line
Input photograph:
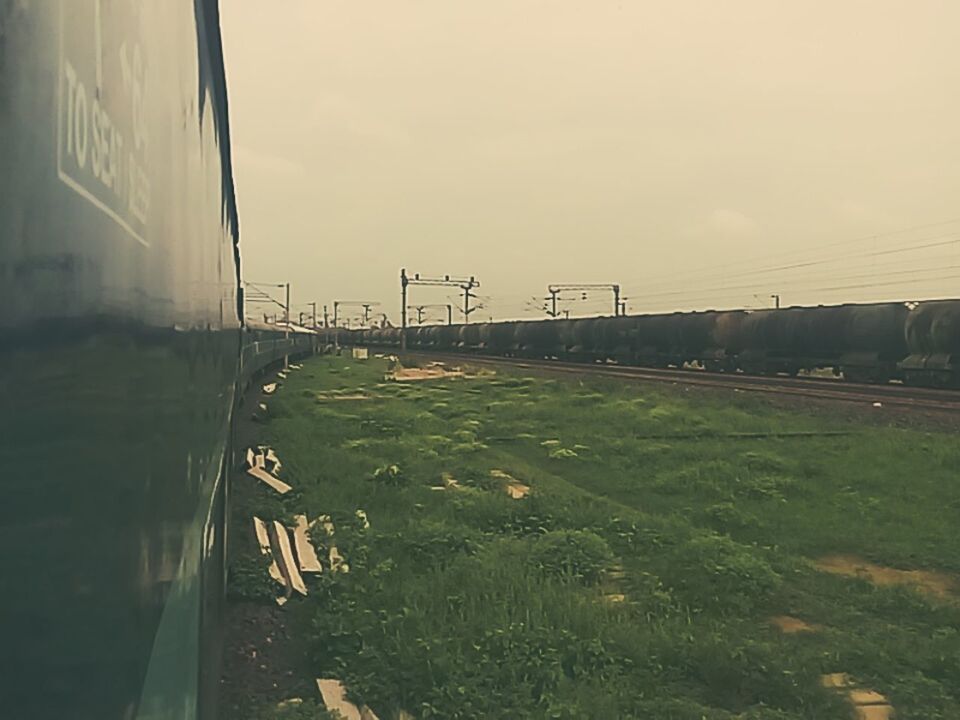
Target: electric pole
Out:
[286,331]
[553,302]
[466,299]
[465,284]
[365,304]
[404,281]
[421,308]
[776,300]
[555,290]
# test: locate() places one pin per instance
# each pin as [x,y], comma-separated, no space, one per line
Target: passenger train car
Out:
[917,343]
[122,351]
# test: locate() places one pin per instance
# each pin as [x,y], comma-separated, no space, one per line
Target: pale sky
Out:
[700,153]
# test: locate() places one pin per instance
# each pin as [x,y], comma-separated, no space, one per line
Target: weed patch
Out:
[578,554]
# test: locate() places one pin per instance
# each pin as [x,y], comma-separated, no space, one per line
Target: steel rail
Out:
[820,389]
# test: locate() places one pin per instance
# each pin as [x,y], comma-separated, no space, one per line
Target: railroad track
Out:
[899,396]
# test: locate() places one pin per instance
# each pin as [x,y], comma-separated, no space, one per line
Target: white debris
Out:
[269,388]
[272,457]
[449,481]
[878,404]
[337,562]
[513,487]
[517,491]
[362,517]
[360,353]
[326,523]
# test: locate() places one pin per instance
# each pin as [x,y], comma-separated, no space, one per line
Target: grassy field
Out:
[638,578]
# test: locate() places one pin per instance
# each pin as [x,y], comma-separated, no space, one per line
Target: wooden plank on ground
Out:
[263,476]
[306,552]
[334,696]
[263,538]
[286,552]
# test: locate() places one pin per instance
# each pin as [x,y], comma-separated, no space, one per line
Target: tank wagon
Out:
[918,343]
[933,342]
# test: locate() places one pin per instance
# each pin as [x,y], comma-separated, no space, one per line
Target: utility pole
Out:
[553,302]
[365,304]
[404,281]
[467,287]
[420,308]
[465,284]
[555,290]
[336,335]
[286,331]
[776,300]
[326,327]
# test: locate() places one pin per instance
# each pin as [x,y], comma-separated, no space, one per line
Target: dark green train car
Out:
[119,356]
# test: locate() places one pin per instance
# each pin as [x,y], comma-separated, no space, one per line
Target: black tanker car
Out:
[917,343]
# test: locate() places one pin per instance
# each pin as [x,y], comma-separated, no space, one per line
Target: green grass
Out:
[469,604]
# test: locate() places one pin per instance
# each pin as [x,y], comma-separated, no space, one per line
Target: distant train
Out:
[265,345]
[917,343]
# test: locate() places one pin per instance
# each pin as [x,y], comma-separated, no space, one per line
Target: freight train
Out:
[122,354]
[916,343]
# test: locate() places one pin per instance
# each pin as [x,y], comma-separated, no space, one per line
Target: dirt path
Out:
[262,662]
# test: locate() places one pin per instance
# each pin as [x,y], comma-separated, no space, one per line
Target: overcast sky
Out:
[702,154]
